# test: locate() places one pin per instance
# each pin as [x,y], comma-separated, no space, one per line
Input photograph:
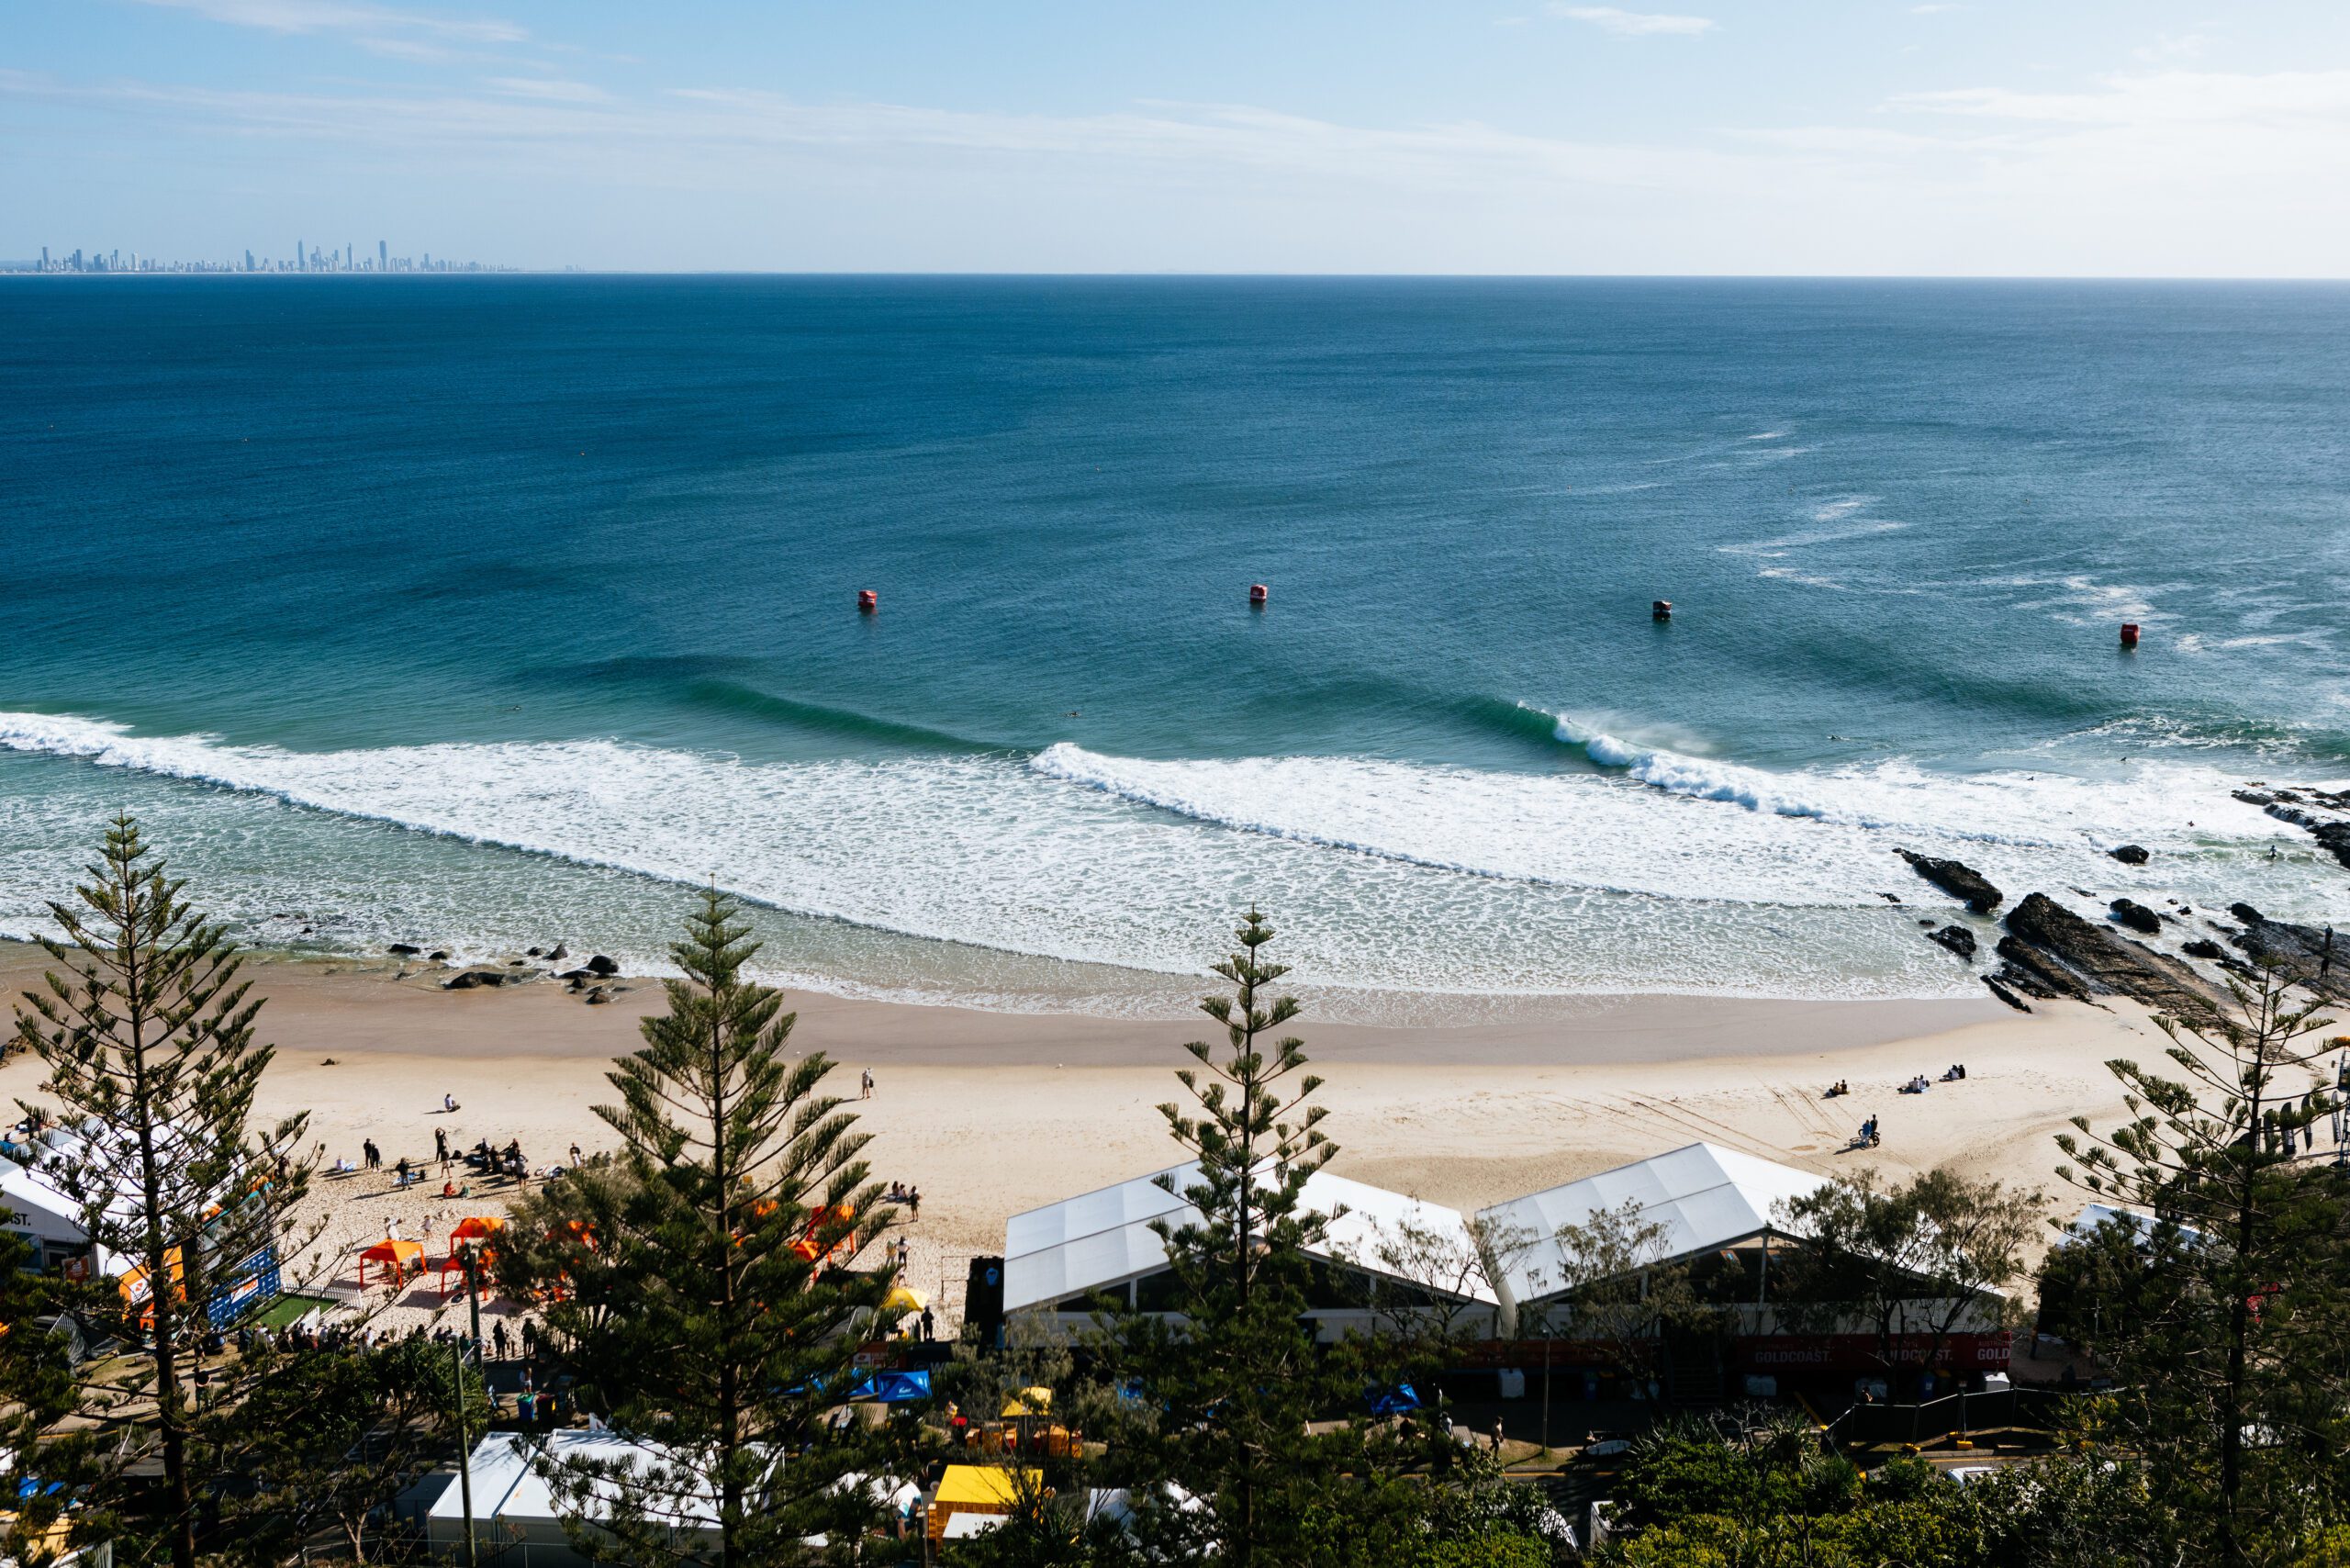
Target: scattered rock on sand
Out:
[2130,854]
[468,979]
[1962,882]
[1957,938]
[2004,994]
[596,998]
[2136,916]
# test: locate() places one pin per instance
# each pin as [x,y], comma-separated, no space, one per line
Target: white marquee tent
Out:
[1100,1241]
[1705,1196]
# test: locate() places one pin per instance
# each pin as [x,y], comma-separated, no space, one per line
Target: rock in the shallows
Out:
[405,949]
[600,965]
[1962,882]
[469,979]
[2130,854]
[2135,915]
[1957,938]
[2204,948]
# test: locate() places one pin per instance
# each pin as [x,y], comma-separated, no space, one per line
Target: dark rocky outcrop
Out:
[2136,916]
[406,949]
[2333,832]
[2049,951]
[470,979]
[2309,955]
[1957,938]
[600,965]
[2204,948]
[557,953]
[2130,854]
[440,956]
[1962,882]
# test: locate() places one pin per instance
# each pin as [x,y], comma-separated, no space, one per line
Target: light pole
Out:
[472,1295]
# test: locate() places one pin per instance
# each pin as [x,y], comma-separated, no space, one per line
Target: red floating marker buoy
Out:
[867,602]
[2129,633]
[1259,593]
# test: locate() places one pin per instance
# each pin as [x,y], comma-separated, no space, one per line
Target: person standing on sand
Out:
[929,1326]
[913,1202]
[864,1084]
[441,1145]
[498,1337]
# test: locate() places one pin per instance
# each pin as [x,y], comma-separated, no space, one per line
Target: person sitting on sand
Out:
[448,1104]
[448,1189]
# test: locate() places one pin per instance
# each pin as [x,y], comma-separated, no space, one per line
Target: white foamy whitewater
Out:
[997,878]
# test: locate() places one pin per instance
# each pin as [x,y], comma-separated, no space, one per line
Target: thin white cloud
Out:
[2280,98]
[2174,46]
[1636,24]
[548,89]
[344,16]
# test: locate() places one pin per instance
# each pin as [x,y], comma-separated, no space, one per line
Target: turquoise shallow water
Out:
[486,612]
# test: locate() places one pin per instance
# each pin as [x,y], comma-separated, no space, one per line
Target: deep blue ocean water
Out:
[485,612]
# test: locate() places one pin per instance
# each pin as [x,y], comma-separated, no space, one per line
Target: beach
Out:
[992,1114]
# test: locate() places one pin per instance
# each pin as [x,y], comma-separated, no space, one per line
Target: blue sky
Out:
[2057,137]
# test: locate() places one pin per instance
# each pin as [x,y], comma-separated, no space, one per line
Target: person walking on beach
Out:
[864,1084]
[374,1156]
[498,1337]
[441,1145]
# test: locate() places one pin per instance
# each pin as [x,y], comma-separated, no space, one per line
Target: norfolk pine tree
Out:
[2236,1380]
[147,1046]
[698,1285]
[1231,1381]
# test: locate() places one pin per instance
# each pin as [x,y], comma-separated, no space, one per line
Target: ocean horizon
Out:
[491,611]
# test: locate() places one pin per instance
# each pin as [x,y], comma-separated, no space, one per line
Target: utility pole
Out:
[464,1455]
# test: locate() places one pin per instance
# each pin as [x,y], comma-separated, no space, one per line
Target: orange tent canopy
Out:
[475,1228]
[396,1256]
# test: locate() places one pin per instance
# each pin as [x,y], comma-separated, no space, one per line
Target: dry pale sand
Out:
[990,1114]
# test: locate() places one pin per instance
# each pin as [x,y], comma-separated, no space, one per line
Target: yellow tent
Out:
[902,1299]
[979,1489]
[1029,1402]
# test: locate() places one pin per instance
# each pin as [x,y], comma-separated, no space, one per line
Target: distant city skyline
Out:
[306,258]
[2163,138]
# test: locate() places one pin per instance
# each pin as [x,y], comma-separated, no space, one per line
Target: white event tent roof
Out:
[1099,1240]
[1704,1195]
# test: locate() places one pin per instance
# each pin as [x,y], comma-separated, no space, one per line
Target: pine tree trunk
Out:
[168,1410]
